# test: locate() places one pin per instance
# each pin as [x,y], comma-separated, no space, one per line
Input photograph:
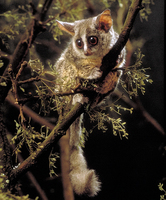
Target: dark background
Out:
[131,169]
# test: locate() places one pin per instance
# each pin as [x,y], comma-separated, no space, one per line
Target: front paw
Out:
[96,73]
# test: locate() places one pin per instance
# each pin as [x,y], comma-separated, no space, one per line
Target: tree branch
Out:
[19,55]
[65,167]
[64,143]
[31,177]
[139,107]
[35,27]
[5,156]
[109,61]
[28,112]
[55,135]
[5,55]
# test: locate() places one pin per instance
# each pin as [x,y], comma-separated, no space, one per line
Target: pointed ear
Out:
[66,26]
[104,21]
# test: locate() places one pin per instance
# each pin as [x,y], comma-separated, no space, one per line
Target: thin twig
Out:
[18,57]
[35,27]
[109,60]
[5,55]
[139,107]
[32,178]
[57,132]
[34,116]
[68,193]
[30,80]
[23,65]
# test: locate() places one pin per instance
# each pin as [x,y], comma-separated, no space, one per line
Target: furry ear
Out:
[104,21]
[66,26]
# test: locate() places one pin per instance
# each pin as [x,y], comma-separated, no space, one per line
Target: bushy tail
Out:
[83,180]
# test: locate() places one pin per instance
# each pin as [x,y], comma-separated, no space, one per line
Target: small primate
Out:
[92,39]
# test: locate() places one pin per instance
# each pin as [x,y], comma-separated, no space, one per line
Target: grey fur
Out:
[85,62]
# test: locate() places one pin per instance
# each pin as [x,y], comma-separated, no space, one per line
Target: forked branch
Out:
[12,71]
[36,26]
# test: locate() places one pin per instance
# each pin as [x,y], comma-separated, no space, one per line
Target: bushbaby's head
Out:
[92,37]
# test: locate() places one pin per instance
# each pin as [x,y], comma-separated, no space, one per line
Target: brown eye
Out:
[79,43]
[93,40]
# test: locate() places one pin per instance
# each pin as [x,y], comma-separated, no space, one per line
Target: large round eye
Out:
[93,40]
[79,43]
